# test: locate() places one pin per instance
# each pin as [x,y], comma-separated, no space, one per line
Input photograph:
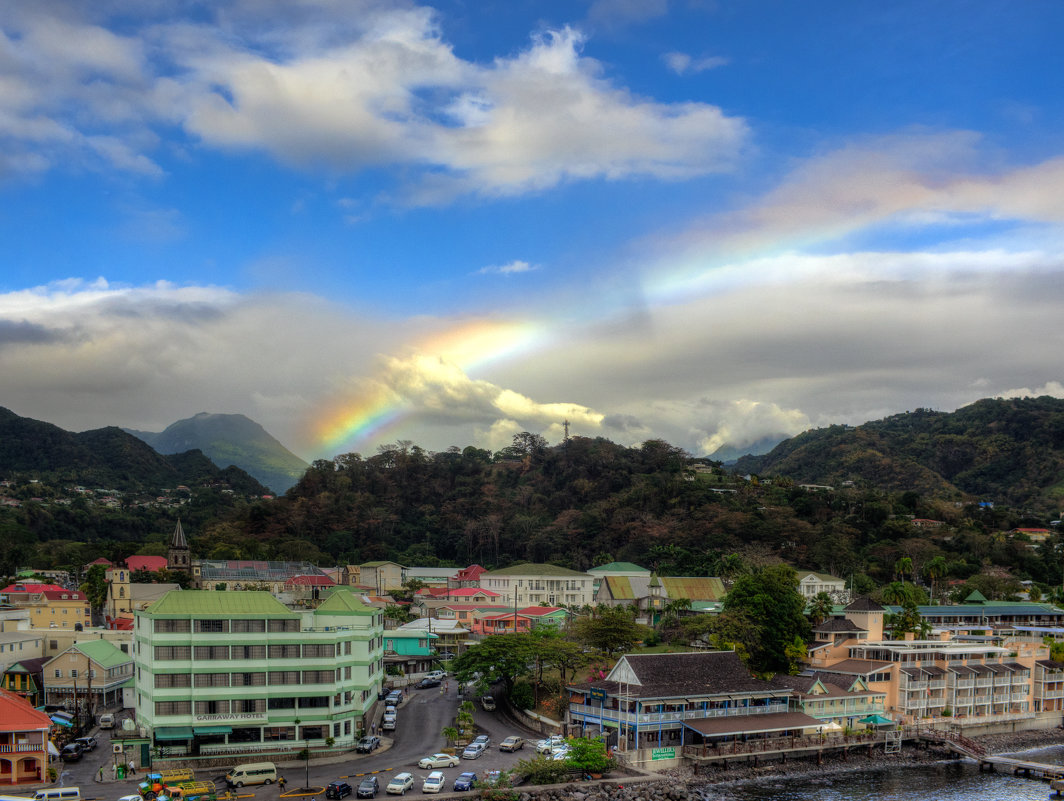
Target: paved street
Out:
[422,716]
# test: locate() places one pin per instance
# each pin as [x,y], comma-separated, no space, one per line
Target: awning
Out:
[752,724]
[174,733]
[213,730]
[52,750]
[62,721]
[876,720]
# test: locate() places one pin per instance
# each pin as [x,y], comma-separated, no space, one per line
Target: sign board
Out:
[598,694]
[116,748]
[663,753]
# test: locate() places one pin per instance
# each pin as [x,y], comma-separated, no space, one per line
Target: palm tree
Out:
[935,569]
[820,608]
[450,734]
[903,567]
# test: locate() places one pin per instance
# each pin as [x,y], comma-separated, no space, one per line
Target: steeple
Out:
[177,558]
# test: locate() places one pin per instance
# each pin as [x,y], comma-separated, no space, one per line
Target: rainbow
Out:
[376,411]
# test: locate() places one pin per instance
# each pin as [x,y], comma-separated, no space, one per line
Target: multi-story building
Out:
[23,741]
[540,585]
[811,584]
[382,576]
[124,597]
[240,671]
[87,677]
[49,605]
[25,678]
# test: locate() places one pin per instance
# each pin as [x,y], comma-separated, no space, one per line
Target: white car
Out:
[473,751]
[548,745]
[400,783]
[433,782]
[437,761]
[560,754]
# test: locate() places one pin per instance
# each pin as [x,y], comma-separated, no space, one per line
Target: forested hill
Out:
[1006,451]
[104,457]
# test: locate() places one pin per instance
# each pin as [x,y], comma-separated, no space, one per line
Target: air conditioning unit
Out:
[116,748]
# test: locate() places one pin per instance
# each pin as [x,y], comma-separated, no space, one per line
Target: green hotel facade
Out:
[240,672]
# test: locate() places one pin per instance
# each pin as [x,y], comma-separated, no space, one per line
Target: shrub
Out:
[541,770]
[521,695]
[589,756]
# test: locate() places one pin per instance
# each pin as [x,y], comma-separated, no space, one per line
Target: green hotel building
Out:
[220,673]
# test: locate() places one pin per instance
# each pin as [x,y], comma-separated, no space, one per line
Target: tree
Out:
[770,599]
[95,586]
[609,629]
[505,656]
[934,570]
[820,608]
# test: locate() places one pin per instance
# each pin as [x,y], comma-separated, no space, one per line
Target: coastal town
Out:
[244,661]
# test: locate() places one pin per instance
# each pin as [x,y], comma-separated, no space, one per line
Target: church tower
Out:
[177,558]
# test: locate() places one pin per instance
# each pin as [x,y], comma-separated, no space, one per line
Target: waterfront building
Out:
[655,701]
[532,584]
[23,741]
[235,671]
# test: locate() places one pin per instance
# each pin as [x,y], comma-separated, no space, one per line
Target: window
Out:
[172,626]
[317,676]
[284,677]
[249,679]
[173,707]
[311,732]
[284,652]
[283,625]
[282,703]
[212,626]
[249,706]
[315,702]
[166,680]
[59,674]
[73,673]
[273,733]
[212,679]
[249,652]
[211,652]
[163,652]
[317,651]
[249,626]
[212,707]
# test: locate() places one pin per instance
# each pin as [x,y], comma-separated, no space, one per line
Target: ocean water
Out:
[940,781]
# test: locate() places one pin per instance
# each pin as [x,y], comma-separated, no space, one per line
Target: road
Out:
[421,718]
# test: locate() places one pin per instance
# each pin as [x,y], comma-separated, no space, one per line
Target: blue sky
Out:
[358,222]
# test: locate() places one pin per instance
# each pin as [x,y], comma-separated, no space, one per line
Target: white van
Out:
[388,724]
[107,721]
[252,773]
[58,794]
[436,674]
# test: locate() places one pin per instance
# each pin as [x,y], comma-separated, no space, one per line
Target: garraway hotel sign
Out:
[238,717]
[663,753]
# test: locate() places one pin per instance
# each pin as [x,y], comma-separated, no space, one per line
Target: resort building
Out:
[240,671]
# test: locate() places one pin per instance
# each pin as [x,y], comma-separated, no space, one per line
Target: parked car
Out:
[483,739]
[473,751]
[71,752]
[488,702]
[86,743]
[368,744]
[338,789]
[512,743]
[393,698]
[465,781]
[368,787]
[560,754]
[437,761]
[433,783]
[492,777]
[425,683]
[436,674]
[547,745]
[400,783]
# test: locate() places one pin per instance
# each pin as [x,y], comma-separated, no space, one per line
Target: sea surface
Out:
[940,781]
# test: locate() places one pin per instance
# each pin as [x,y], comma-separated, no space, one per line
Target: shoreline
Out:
[835,764]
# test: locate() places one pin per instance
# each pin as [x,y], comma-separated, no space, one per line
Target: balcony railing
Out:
[631,718]
[20,748]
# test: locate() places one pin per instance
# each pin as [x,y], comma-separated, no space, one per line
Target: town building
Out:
[618,569]
[521,620]
[383,576]
[657,701]
[179,556]
[430,576]
[87,678]
[124,597]
[450,636]
[409,653]
[25,678]
[533,584]
[467,577]
[23,741]
[652,594]
[812,584]
[234,671]
[49,605]
[248,574]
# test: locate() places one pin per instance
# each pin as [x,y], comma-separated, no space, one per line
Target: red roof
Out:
[16,714]
[30,587]
[64,595]
[465,592]
[471,573]
[100,561]
[538,611]
[151,563]
[310,581]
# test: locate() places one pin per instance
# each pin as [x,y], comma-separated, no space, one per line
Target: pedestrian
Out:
[132,768]
[99,776]
[114,770]
[281,783]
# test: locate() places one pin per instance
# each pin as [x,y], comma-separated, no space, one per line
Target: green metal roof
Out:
[619,567]
[206,603]
[343,602]
[534,569]
[380,563]
[103,653]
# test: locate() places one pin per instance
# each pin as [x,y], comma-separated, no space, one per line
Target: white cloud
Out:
[612,14]
[1054,389]
[511,268]
[684,64]
[317,86]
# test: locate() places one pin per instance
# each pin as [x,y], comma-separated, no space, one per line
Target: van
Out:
[252,773]
[107,721]
[436,674]
[388,724]
[58,794]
